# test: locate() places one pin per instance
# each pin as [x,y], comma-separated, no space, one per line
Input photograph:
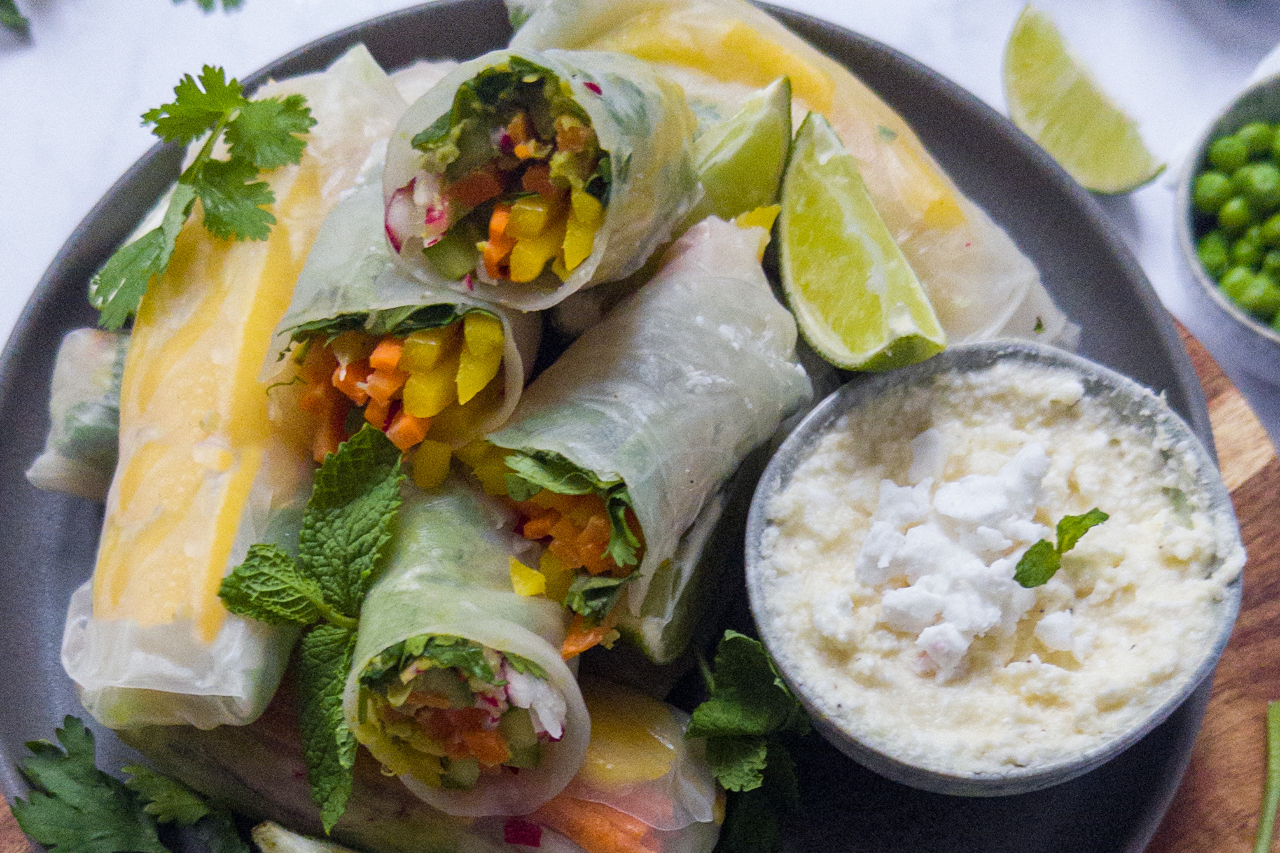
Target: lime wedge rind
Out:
[1054,99]
[855,298]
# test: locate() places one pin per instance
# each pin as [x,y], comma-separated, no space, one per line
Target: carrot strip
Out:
[333,428]
[582,636]
[377,412]
[406,430]
[488,747]
[350,381]
[382,385]
[537,528]
[596,531]
[597,828]
[386,355]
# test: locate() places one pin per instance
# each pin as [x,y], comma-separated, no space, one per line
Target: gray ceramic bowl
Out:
[1133,404]
[1258,343]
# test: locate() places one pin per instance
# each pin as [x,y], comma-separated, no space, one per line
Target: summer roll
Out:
[528,176]
[618,447]
[457,684]
[202,473]
[980,284]
[429,366]
[79,455]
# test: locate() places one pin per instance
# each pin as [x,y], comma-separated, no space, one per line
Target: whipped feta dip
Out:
[885,581]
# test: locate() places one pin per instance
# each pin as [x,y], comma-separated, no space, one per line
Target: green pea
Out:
[1235,280]
[1213,251]
[1241,178]
[1262,189]
[1275,322]
[1261,297]
[1271,231]
[1245,253]
[1212,189]
[1257,136]
[1275,148]
[1235,215]
[1228,153]
[1271,264]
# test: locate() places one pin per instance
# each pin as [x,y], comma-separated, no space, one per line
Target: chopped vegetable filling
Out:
[426,388]
[453,710]
[513,180]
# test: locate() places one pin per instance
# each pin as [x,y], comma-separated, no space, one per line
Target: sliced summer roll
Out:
[980,283]
[457,685]
[429,366]
[80,452]
[618,447]
[526,177]
[202,473]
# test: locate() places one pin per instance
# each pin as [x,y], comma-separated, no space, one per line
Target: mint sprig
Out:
[261,135]
[13,20]
[346,528]
[747,721]
[1042,560]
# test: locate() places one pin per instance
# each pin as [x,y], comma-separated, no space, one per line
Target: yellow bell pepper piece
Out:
[530,255]
[531,215]
[424,348]
[431,464]
[526,581]
[426,394]
[558,574]
[481,354]
[585,217]
[587,209]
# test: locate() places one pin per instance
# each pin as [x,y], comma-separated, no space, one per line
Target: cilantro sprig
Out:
[748,720]
[1042,560]
[13,20]
[74,807]
[346,527]
[261,136]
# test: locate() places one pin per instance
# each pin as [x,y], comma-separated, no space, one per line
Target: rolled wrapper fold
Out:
[720,50]
[80,452]
[669,393]
[202,474]
[644,130]
[351,276]
[448,575]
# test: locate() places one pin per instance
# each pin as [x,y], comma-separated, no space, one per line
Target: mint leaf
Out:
[322,662]
[168,801]
[593,596]
[268,586]
[748,697]
[75,807]
[1042,560]
[269,133]
[753,820]
[13,20]
[348,521]
[233,201]
[197,108]
[1072,527]
[738,762]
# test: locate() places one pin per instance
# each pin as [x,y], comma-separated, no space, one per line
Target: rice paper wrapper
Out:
[720,50]
[448,573]
[80,451]
[671,391]
[351,270]
[175,672]
[643,125]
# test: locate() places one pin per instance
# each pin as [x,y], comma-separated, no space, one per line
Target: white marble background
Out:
[70,99]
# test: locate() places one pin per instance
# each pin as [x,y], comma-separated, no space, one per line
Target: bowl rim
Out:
[1100,381]
[1228,119]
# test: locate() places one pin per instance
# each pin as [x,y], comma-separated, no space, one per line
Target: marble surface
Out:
[70,98]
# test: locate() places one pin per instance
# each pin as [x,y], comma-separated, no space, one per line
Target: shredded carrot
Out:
[596,531]
[537,528]
[488,747]
[597,828]
[406,431]
[382,385]
[377,412]
[460,733]
[386,355]
[477,187]
[350,381]
[582,636]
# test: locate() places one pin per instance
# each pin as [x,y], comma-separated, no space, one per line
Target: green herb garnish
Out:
[345,530]
[13,20]
[261,136]
[1042,560]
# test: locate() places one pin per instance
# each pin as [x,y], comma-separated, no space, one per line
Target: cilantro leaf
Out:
[1042,560]
[168,801]
[75,807]
[234,203]
[738,762]
[749,696]
[593,596]
[348,521]
[197,108]
[13,20]
[269,133]
[269,587]
[329,746]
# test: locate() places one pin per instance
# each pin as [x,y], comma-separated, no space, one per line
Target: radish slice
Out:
[401,216]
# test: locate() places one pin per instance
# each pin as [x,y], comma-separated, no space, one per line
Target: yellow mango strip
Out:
[585,218]
[193,414]
[526,581]
[422,349]
[530,255]
[631,739]
[481,354]
[531,215]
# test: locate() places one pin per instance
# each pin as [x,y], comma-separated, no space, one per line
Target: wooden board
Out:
[1216,808]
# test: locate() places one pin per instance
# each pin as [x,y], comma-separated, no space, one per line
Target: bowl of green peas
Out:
[1229,214]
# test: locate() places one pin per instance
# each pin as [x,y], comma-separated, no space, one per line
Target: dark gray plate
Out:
[50,540]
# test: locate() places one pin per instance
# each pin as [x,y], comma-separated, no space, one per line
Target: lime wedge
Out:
[740,159]
[858,302]
[1053,99]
